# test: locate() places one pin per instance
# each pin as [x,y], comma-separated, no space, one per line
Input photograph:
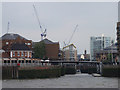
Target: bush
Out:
[32,73]
[92,70]
[111,71]
[44,73]
[88,69]
[7,72]
[62,71]
[70,71]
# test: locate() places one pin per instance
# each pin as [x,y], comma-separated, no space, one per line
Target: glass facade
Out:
[97,44]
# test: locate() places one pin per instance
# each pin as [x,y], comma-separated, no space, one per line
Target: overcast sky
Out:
[60,19]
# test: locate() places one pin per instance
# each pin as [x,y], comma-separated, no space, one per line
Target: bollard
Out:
[98,68]
[101,68]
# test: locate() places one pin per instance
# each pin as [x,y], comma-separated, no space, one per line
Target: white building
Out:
[97,44]
[70,52]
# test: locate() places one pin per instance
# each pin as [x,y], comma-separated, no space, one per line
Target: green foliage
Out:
[31,73]
[111,71]
[62,71]
[39,50]
[109,57]
[88,69]
[41,73]
[45,73]
[6,72]
[70,71]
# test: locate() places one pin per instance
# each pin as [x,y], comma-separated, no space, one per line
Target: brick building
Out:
[51,49]
[20,51]
[16,46]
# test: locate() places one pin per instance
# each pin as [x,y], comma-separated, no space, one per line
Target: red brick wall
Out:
[52,51]
[10,42]
[18,40]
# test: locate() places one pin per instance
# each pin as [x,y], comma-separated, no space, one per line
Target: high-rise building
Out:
[118,38]
[97,44]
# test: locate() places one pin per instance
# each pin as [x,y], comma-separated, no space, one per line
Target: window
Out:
[12,61]
[5,61]
[29,43]
[30,54]
[22,61]
[7,43]
[33,61]
[25,53]
[22,54]
[26,61]
[8,61]
[13,53]
[15,61]
[29,61]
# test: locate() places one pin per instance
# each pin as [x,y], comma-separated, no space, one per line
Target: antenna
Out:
[8,27]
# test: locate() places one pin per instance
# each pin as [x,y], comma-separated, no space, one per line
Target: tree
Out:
[109,57]
[39,50]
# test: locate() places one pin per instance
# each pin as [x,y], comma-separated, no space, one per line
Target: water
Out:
[67,81]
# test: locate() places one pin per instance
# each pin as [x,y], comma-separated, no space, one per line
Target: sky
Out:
[60,19]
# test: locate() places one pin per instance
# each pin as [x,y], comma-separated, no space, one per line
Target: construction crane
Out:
[72,34]
[43,34]
[64,43]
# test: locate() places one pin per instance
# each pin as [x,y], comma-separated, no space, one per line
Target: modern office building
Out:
[97,44]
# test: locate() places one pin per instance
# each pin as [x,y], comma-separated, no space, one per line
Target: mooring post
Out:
[17,72]
[101,68]
[75,67]
[61,64]
[12,71]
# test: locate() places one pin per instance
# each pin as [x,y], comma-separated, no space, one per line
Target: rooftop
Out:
[11,36]
[46,41]
[18,46]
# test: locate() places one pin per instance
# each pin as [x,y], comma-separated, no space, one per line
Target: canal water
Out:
[67,81]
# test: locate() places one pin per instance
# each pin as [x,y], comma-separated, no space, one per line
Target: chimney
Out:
[85,52]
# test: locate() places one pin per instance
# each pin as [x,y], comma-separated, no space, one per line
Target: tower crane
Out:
[65,44]
[43,34]
[72,34]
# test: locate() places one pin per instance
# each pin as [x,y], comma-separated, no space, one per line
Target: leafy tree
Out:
[39,50]
[109,57]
